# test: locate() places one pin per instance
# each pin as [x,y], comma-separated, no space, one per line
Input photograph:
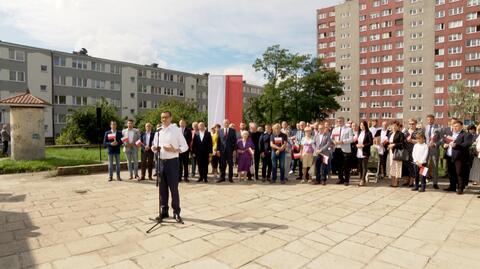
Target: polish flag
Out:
[297,156]
[125,139]
[138,143]
[225,99]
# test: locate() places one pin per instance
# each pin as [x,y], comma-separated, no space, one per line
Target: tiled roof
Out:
[24,99]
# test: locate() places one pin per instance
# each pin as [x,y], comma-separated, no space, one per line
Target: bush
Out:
[180,110]
[81,125]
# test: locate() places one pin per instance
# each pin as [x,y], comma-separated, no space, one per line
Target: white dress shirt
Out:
[201,134]
[147,139]
[170,135]
[449,150]
[361,137]
[130,136]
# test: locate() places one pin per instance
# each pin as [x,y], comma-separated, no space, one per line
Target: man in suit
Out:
[323,151]
[266,153]
[384,135]
[202,147]
[185,156]
[447,131]
[255,137]
[457,147]
[192,134]
[146,151]
[130,137]
[227,140]
[433,140]
[342,137]
[112,140]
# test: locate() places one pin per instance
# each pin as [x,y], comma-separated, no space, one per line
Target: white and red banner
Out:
[225,99]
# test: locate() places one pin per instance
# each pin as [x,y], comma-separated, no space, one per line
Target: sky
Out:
[198,36]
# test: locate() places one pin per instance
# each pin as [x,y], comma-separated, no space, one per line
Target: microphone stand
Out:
[158,220]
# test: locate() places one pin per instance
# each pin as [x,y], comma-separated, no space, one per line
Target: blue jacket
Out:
[108,143]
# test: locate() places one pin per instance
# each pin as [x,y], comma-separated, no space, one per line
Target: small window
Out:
[132,79]
[132,95]
[43,68]
[43,88]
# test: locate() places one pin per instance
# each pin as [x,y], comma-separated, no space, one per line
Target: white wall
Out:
[128,87]
[35,78]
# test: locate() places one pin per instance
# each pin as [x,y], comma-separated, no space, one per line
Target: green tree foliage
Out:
[298,88]
[81,125]
[180,110]
[463,101]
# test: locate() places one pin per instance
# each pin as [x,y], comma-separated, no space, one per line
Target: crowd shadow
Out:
[16,229]
[239,226]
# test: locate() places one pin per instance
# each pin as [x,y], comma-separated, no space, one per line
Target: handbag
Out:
[400,155]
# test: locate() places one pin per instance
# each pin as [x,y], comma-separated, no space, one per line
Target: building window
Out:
[43,88]
[79,100]
[16,55]
[59,61]
[60,118]
[60,99]
[43,68]
[17,76]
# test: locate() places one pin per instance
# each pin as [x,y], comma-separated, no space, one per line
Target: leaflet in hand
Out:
[448,139]
[111,137]
[325,159]
[423,171]
[278,140]
[138,143]
[297,156]
[124,139]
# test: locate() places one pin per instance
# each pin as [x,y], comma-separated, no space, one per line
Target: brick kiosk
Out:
[27,126]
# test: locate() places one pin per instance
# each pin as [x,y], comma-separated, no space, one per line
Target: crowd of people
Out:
[409,156]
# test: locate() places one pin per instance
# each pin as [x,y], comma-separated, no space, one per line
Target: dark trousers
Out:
[383,164]
[267,165]
[456,175]
[293,166]
[363,164]
[343,165]
[5,147]
[183,167]
[226,159]
[147,163]
[169,181]
[321,169]
[202,161]
[418,177]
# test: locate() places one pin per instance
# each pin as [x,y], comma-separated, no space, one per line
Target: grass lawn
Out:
[55,157]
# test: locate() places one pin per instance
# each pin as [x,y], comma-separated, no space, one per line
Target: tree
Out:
[81,127]
[179,109]
[298,88]
[463,101]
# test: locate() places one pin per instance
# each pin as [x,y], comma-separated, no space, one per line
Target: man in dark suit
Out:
[227,140]
[185,156]
[112,140]
[147,153]
[456,148]
[266,153]
[255,137]
[202,147]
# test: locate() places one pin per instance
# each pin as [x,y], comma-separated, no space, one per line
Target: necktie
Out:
[429,133]
[225,133]
[340,135]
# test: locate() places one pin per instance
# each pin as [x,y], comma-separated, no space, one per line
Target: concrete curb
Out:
[88,169]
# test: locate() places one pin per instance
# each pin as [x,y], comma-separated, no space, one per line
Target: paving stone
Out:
[280,259]
[89,260]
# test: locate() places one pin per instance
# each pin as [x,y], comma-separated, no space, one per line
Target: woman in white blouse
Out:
[364,142]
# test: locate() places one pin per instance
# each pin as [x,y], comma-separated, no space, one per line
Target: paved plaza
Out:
[87,222]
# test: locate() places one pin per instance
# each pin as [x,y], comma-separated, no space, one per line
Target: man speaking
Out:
[169,142]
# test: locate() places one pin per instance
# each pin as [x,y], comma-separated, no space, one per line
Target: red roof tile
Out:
[24,99]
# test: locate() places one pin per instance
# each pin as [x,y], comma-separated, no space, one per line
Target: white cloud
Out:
[146,31]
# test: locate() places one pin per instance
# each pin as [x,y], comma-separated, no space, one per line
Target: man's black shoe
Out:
[340,182]
[178,218]
[449,189]
[220,180]
[230,180]
[110,178]
[435,186]
[119,179]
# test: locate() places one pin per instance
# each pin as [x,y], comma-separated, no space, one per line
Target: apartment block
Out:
[398,58]
[72,80]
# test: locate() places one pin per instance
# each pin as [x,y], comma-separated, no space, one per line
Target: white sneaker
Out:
[291,172]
